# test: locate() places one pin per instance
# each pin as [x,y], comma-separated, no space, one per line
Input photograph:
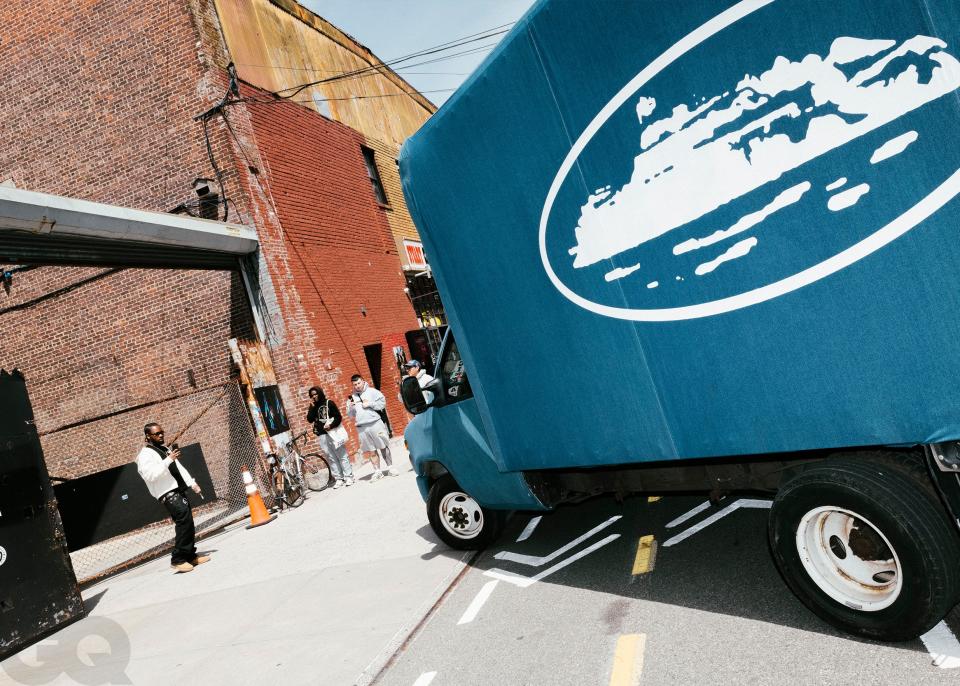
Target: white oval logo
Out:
[721,187]
[3,555]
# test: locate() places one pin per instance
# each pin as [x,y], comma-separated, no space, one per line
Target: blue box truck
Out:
[708,246]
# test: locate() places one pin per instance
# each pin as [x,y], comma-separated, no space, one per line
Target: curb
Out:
[418,620]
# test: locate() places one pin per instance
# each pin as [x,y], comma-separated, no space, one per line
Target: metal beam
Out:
[38,228]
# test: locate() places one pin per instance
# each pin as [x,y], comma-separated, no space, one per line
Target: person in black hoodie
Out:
[325,416]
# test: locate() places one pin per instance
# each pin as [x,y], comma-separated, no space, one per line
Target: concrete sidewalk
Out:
[322,595]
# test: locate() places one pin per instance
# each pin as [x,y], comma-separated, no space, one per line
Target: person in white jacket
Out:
[364,405]
[168,481]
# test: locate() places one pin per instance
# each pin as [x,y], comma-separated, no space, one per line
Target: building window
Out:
[374,175]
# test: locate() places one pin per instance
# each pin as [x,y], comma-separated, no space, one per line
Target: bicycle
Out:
[294,473]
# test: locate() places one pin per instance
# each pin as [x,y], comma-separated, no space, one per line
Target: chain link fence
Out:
[217,419]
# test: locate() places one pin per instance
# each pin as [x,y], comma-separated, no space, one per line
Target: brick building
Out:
[103,101]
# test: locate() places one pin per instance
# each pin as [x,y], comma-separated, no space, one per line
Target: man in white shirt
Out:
[413,369]
[168,481]
[364,405]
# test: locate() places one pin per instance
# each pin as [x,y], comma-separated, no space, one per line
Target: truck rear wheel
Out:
[866,547]
[458,519]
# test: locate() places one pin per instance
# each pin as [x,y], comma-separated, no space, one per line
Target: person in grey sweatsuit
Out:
[364,405]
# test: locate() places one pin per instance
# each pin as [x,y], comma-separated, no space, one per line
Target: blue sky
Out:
[395,28]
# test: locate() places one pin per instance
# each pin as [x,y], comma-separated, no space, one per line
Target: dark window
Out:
[374,174]
[453,375]
[271,407]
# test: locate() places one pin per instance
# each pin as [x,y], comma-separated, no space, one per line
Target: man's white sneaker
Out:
[349,481]
[338,484]
[377,475]
[393,472]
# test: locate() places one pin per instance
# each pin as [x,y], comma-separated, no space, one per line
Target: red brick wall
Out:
[344,265]
[99,100]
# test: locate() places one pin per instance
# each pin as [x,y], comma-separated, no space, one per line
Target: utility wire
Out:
[337,71]
[357,97]
[275,101]
[395,60]
[377,67]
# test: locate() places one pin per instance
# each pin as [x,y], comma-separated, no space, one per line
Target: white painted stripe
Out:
[528,529]
[525,582]
[424,679]
[700,526]
[692,513]
[942,646]
[534,561]
[478,602]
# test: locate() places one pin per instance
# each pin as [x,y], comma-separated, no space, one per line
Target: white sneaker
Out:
[349,481]
[339,484]
[377,475]
[393,472]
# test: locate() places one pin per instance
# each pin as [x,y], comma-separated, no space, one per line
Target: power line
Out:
[397,60]
[288,98]
[255,101]
[337,71]
[376,67]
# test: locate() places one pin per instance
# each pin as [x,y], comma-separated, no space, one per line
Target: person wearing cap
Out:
[416,371]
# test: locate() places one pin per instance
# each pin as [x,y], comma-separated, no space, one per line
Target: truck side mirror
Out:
[412,396]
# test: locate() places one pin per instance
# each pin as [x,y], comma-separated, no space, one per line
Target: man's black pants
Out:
[179,508]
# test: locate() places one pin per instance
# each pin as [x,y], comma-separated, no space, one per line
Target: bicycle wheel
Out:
[292,491]
[316,472]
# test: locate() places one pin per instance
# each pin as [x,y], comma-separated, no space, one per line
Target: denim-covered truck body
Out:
[680,234]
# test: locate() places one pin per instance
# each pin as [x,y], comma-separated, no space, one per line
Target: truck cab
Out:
[447,437]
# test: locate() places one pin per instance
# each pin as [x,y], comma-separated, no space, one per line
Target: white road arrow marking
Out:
[692,513]
[533,561]
[942,646]
[478,602]
[528,529]
[525,582]
[745,503]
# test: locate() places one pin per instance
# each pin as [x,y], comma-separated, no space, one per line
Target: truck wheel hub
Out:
[849,558]
[461,515]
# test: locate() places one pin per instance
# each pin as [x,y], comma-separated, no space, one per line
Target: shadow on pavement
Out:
[725,568]
[91,602]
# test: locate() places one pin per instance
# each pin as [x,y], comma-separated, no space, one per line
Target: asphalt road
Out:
[613,600]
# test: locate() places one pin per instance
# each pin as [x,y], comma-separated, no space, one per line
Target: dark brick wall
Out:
[120,339]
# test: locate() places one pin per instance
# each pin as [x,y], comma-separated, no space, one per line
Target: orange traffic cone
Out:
[258,511]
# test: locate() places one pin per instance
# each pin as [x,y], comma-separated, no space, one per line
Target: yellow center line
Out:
[646,555]
[628,660]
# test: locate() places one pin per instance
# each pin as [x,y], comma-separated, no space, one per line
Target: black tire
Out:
[291,492]
[920,547]
[458,520]
[316,472]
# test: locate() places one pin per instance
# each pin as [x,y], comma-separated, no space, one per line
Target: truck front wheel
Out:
[866,547]
[458,519]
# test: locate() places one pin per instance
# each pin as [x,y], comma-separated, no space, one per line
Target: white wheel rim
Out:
[461,515]
[849,558]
